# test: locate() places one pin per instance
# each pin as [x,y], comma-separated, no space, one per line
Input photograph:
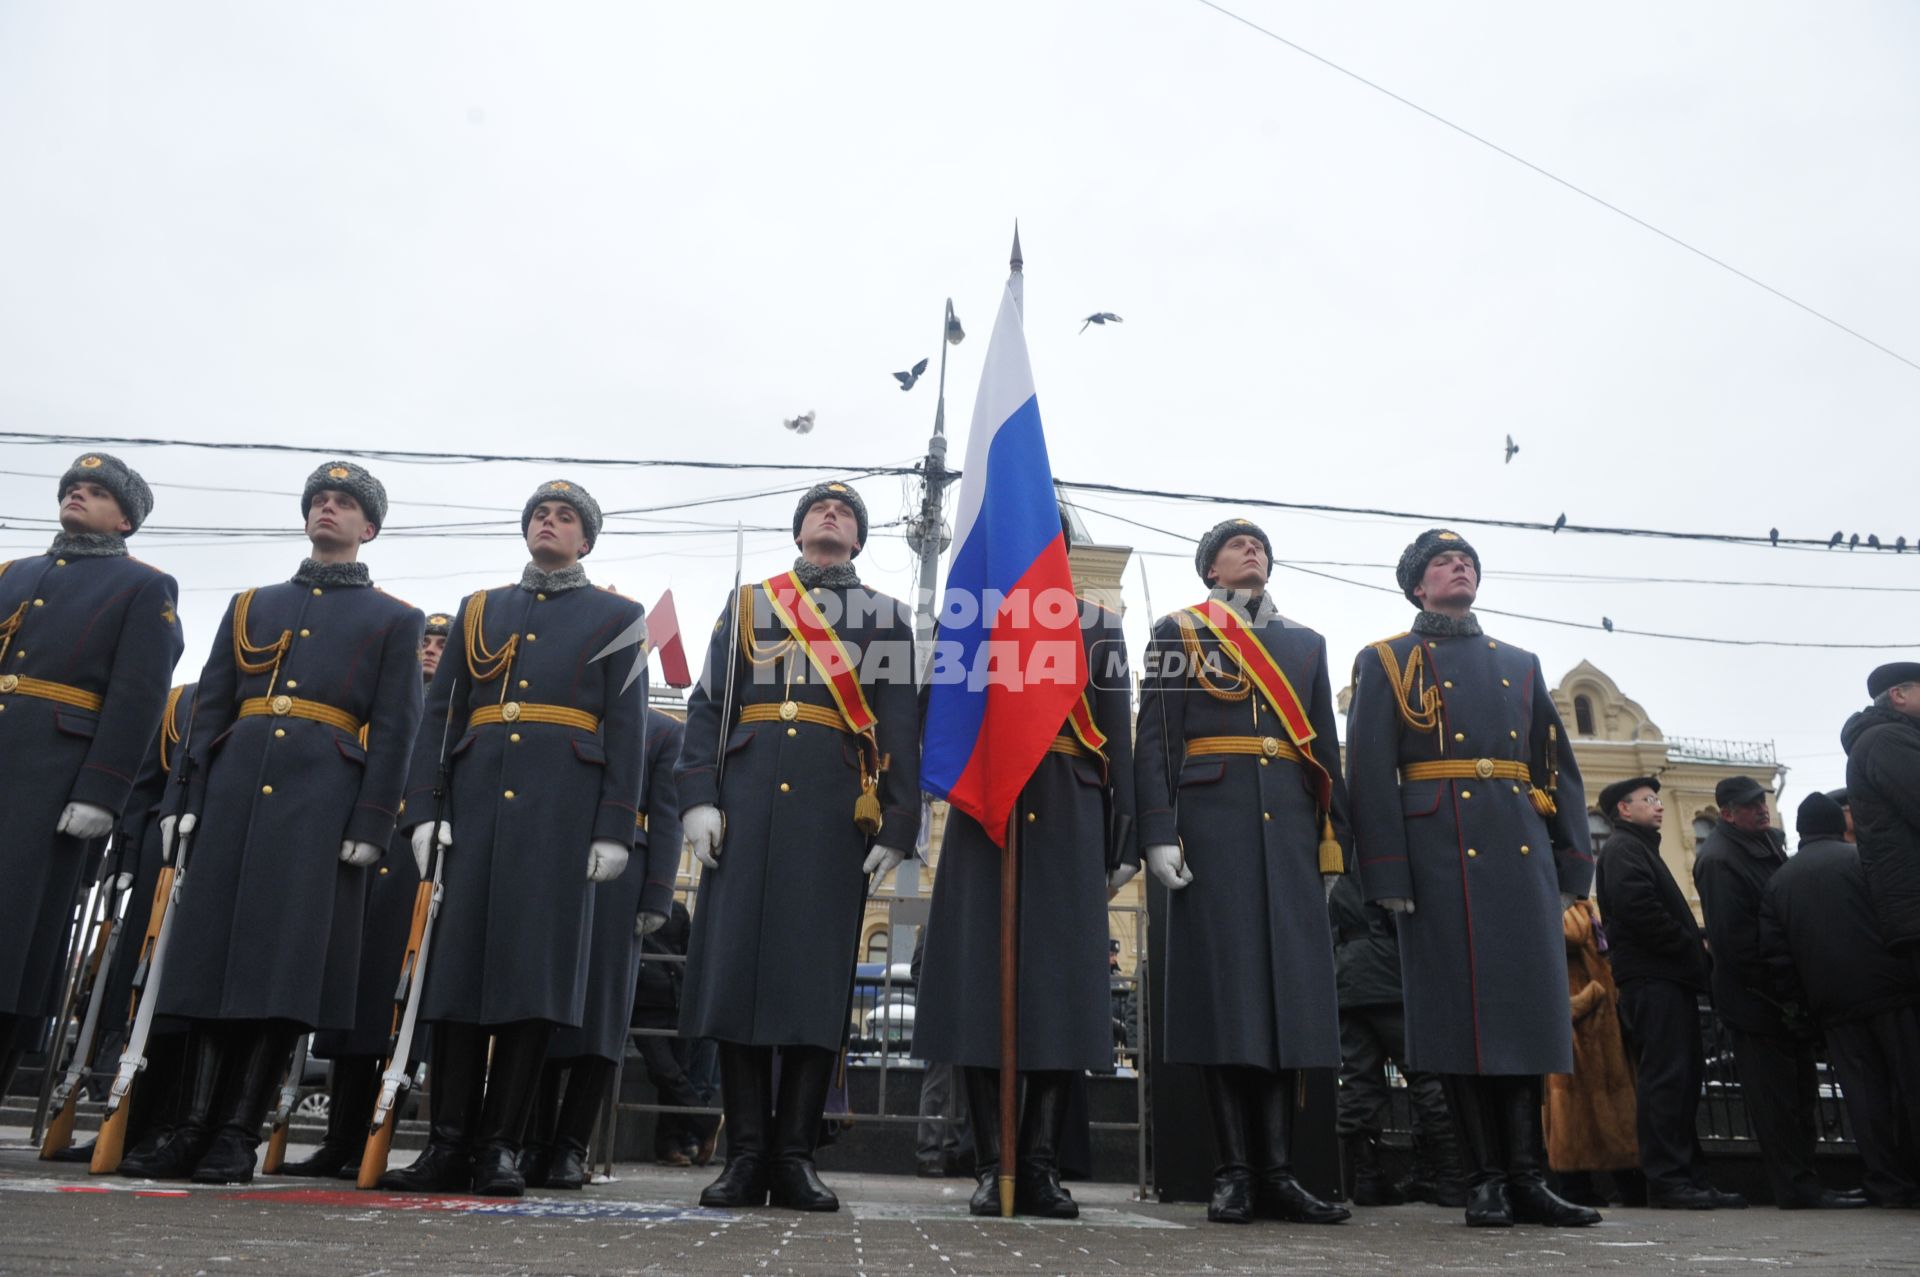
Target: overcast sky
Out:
[643,230]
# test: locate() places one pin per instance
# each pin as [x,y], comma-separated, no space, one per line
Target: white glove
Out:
[168,832]
[606,860]
[423,846]
[701,829]
[122,882]
[647,922]
[1169,866]
[1396,904]
[85,821]
[1119,878]
[1328,881]
[358,854]
[1567,899]
[882,860]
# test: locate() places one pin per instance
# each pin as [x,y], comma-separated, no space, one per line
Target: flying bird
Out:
[912,375]
[1512,448]
[1773,535]
[1837,539]
[1102,317]
[1560,522]
[1606,623]
[801,424]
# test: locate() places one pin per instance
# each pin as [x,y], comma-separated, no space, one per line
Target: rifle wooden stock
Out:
[373,1162]
[59,1137]
[276,1149]
[416,932]
[59,1134]
[162,898]
[111,1145]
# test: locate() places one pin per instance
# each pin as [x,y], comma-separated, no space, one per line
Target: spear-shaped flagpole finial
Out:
[1016,263]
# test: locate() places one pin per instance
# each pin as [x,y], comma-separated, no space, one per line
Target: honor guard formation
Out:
[434,848]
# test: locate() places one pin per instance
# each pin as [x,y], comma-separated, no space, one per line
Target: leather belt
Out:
[1464,769]
[1257,746]
[79,698]
[793,712]
[1070,746]
[528,712]
[284,706]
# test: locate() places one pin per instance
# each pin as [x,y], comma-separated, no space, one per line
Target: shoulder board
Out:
[1393,638]
[395,597]
[148,566]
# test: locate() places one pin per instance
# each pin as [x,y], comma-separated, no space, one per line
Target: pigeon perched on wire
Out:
[1873,539]
[1512,448]
[1103,318]
[1853,542]
[1834,544]
[912,375]
[1899,545]
[1560,522]
[1606,623]
[1773,535]
[801,424]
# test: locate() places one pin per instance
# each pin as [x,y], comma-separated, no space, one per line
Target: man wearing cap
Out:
[1244,818]
[1821,944]
[358,1053]
[1470,822]
[1883,792]
[88,638]
[540,708]
[1773,1054]
[1660,965]
[799,781]
[306,712]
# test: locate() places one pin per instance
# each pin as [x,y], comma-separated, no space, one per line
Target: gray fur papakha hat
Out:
[574,495]
[117,477]
[835,491]
[1221,533]
[1414,559]
[354,480]
[439,623]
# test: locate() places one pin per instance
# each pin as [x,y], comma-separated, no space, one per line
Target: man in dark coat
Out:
[542,694]
[1470,821]
[1883,794]
[1077,800]
[1244,818]
[1660,965]
[306,712]
[88,639]
[1821,943]
[807,704]
[581,1061]
[1373,1030]
[1775,1057]
[353,1083]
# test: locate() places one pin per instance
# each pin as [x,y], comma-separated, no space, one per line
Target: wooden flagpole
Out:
[1009,1009]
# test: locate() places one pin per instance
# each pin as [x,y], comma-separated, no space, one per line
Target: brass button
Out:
[1265,761]
[793,731]
[1032,816]
[531,636]
[266,789]
[783,787]
[293,682]
[539,598]
[1524,849]
[1516,789]
[523,682]
[1466,793]
[1447,683]
[1266,815]
[1491,643]
[279,731]
[515,738]
[1472,852]
[59,563]
[306,633]
[316,591]
[1459,735]
[1506,682]
[39,602]
[1515,735]
[20,655]
[383,871]
[509,793]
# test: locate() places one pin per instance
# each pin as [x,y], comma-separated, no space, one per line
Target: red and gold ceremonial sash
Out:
[1277,691]
[831,660]
[1080,719]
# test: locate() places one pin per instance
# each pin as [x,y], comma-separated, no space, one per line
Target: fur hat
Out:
[574,495]
[1221,533]
[354,480]
[1428,546]
[835,491]
[117,477]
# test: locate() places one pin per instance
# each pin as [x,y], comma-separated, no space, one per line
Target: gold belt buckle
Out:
[281,705]
[8,682]
[510,712]
[1270,746]
[1483,768]
[788,711]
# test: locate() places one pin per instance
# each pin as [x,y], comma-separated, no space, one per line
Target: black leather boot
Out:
[351,1089]
[1037,1189]
[519,1051]
[1371,1185]
[746,1100]
[1436,1176]
[256,1068]
[1277,1194]
[983,1119]
[587,1084]
[806,1074]
[175,1152]
[1232,1200]
[1533,1202]
[456,1074]
[536,1146]
[1476,1116]
[11,1051]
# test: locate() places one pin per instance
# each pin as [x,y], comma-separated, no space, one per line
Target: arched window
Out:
[1703,825]
[1597,825]
[879,944]
[1583,716]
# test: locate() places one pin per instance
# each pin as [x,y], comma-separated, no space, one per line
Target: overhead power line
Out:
[1555,178]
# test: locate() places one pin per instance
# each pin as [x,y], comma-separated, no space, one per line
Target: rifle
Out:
[66,1096]
[413,972]
[111,1145]
[283,1110]
[733,661]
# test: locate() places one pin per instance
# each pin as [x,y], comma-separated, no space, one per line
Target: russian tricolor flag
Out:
[1009,661]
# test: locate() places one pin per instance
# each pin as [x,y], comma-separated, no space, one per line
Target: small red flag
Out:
[664,629]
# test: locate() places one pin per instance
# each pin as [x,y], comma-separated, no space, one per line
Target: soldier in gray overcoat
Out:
[1471,823]
[88,639]
[306,712]
[541,698]
[1244,818]
[813,803]
[356,1054]
[1076,846]
[582,1061]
